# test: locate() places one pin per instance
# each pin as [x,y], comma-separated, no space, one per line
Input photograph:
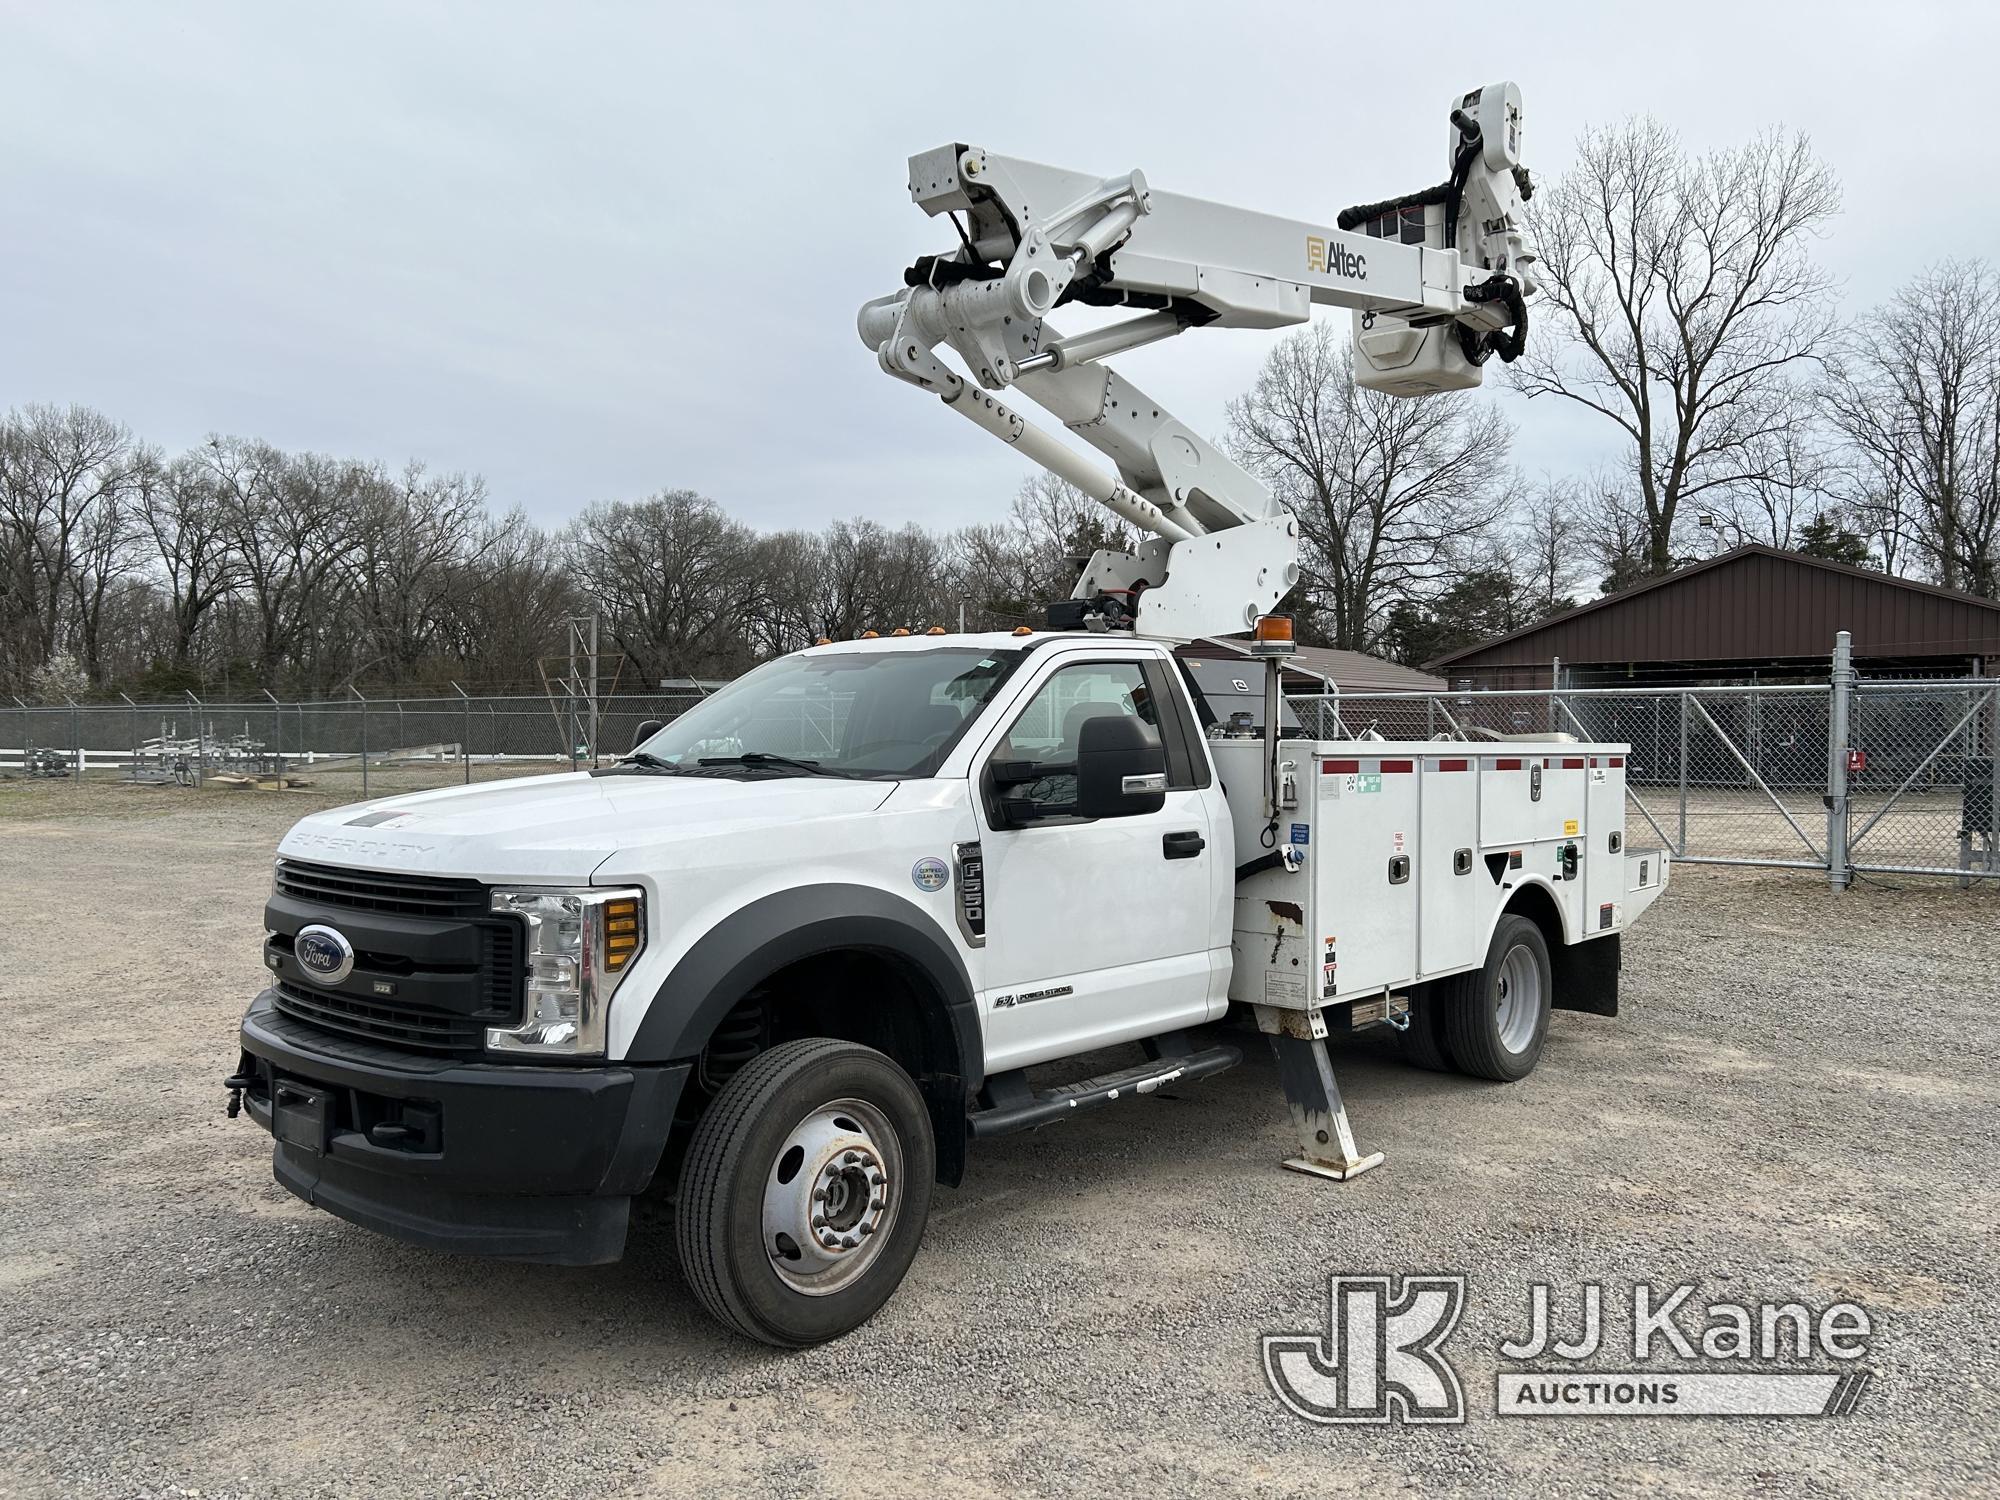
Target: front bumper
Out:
[528,1162]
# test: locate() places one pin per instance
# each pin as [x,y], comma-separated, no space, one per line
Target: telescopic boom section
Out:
[1436,281]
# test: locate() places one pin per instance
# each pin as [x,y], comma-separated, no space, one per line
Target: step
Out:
[1017,1107]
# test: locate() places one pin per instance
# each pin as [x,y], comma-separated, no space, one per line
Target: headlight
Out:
[581,943]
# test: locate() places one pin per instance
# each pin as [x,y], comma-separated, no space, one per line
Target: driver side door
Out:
[1097,929]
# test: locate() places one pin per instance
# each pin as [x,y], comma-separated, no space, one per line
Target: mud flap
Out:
[1586,975]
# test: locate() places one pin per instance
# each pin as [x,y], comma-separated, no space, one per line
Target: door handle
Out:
[1185,844]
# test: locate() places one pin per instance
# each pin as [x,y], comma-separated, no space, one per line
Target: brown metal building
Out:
[1754,614]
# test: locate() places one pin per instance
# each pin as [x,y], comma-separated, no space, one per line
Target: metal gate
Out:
[1921,778]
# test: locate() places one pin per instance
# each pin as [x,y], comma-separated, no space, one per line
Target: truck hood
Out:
[558,829]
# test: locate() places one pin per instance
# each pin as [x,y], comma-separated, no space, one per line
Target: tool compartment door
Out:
[1604,865]
[1364,862]
[1452,881]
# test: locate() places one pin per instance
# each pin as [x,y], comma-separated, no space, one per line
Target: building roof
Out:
[1754,603]
[1349,671]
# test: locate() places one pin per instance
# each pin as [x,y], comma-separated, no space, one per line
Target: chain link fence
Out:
[362,747]
[1840,776]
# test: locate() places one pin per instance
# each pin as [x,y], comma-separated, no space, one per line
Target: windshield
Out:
[848,713]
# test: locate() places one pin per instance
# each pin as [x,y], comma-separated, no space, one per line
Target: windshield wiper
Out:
[760,759]
[653,762]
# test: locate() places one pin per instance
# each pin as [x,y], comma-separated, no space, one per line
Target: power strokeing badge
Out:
[930,873]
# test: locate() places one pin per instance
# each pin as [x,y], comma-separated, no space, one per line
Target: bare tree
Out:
[510,612]
[66,478]
[292,529]
[418,538]
[1680,291]
[676,579]
[1546,546]
[1789,479]
[181,506]
[1387,489]
[1915,392]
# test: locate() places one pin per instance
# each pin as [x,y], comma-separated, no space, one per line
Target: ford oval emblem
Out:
[325,955]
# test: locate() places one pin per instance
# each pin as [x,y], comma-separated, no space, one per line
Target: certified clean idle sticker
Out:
[930,873]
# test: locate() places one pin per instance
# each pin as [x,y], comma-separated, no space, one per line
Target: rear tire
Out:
[804,1192]
[1497,1017]
[1423,1039]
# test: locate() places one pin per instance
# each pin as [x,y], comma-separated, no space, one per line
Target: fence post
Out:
[277,732]
[1841,689]
[364,740]
[465,733]
[200,741]
[1682,851]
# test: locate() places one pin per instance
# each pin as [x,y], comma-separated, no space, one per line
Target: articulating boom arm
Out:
[1436,281]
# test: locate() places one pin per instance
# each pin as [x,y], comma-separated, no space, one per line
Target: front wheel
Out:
[1497,1017]
[804,1191]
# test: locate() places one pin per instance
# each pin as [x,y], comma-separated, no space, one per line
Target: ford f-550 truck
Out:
[791,957]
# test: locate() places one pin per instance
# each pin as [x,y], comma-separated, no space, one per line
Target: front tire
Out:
[804,1192]
[1497,1017]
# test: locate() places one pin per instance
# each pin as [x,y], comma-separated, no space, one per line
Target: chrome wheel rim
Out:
[1517,998]
[831,1196]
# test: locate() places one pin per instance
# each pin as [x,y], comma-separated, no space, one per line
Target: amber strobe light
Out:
[1272,636]
[621,932]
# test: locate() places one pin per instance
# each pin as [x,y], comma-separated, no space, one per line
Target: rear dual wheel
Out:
[804,1191]
[1490,1022]
[1496,1017]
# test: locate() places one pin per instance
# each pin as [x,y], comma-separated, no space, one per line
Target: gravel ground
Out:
[1799,1102]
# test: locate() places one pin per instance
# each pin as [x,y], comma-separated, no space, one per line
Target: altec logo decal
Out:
[1331,258]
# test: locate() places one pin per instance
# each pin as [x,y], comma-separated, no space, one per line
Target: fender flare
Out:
[756,941]
[1508,905]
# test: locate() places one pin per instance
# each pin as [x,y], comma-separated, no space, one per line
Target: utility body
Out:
[786,961]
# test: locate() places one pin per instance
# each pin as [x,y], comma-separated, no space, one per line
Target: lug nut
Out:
[819,1221]
[852,1157]
[850,1242]
[867,1228]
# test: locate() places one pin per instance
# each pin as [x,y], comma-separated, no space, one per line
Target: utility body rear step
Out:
[1173,1058]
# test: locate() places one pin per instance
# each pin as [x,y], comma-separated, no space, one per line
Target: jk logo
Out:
[1378,1357]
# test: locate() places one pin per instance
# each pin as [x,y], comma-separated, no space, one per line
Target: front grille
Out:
[415,1027]
[500,967]
[374,890]
[432,937]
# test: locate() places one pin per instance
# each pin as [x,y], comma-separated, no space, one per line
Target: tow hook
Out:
[236,1083]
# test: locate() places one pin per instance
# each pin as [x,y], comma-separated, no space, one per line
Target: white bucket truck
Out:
[798,950]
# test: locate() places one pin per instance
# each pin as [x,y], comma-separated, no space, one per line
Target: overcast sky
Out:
[595,251]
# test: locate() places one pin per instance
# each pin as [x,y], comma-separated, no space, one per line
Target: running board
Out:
[1017,1107]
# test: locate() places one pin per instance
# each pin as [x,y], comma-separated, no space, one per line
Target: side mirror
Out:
[1121,770]
[647,730]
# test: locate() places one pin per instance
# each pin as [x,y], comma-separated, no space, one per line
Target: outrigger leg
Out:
[1326,1140]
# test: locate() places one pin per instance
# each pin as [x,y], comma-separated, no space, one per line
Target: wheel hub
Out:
[1517,999]
[831,1195]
